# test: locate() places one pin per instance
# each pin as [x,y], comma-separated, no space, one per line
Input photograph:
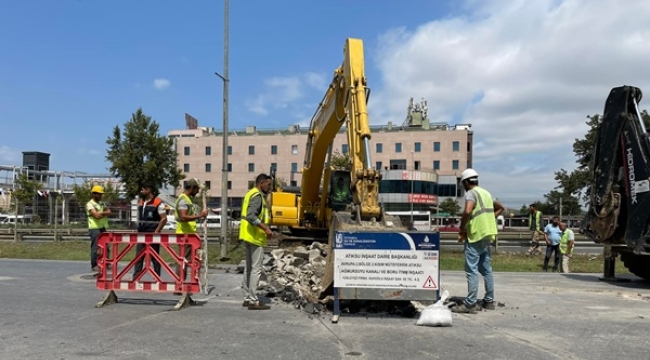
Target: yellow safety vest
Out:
[247,231]
[96,223]
[482,223]
[538,220]
[564,242]
[185,227]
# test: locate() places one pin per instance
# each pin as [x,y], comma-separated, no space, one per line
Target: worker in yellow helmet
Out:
[97,213]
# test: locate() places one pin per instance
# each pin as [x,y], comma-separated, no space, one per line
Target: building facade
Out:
[434,154]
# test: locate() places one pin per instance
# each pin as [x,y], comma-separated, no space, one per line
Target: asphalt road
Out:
[47,312]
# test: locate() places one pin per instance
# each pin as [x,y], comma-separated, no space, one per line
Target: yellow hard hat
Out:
[97,189]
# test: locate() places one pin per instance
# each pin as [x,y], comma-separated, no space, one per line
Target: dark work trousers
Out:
[94,235]
[138,266]
[549,250]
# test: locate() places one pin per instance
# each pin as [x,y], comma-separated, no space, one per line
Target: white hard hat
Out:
[467,174]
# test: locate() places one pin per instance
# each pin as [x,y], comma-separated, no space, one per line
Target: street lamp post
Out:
[412,181]
[224,153]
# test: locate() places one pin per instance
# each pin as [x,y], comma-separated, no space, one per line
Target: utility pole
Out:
[224,157]
[560,208]
[412,180]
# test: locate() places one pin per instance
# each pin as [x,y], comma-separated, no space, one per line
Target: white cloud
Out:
[524,73]
[9,156]
[284,92]
[161,84]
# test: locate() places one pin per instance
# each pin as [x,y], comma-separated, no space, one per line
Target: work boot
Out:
[488,305]
[257,306]
[246,303]
[464,309]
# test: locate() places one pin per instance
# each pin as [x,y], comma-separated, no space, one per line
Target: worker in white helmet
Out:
[477,230]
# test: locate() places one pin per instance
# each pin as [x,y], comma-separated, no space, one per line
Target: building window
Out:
[469,146]
[207,185]
[398,164]
[293,183]
[294,167]
[344,148]
[186,168]
[469,164]
[274,149]
[294,149]
[379,147]
[184,184]
[229,167]
[229,150]
[229,185]
[274,166]
[208,167]
[251,150]
[251,167]
[398,147]
[416,165]
[187,150]
[456,145]
[378,165]
[436,146]
[454,165]
[418,147]
[436,164]
[208,150]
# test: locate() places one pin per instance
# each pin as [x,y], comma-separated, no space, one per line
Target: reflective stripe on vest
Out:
[482,222]
[185,227]
[247,231]
[564,242]
[96,223]
[538,223]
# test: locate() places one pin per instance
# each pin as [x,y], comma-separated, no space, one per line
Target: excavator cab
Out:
[340,196]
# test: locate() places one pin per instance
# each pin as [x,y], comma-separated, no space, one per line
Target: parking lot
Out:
[47,312]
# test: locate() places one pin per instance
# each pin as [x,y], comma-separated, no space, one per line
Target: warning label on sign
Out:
[429,283]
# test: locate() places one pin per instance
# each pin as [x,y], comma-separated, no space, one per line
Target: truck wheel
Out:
[638,265]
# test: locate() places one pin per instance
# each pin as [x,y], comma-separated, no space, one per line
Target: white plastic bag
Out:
[436,314]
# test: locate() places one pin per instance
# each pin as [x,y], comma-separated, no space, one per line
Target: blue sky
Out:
[524,73]
[73,69]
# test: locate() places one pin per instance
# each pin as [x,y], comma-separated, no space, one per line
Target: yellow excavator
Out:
[336,200]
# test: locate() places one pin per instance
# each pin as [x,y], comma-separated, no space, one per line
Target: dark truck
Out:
[618,214]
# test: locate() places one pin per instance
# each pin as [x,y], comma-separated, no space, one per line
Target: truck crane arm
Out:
[618,214]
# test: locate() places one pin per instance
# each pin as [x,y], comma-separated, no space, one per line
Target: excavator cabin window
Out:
[339,190]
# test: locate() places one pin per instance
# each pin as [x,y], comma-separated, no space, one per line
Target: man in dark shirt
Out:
[152,216]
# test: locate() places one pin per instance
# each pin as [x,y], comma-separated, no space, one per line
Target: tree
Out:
[570,203]
[140,155]
[450,205]
[83,194]
[577,181]
[23,194]
[340,161]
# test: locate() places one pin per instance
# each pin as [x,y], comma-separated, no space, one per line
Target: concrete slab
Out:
[47,312]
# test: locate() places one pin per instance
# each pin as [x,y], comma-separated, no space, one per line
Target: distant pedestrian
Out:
[97,213]
[566,246]
[535,226]
[254,230]
[552,234]
[478,228]
[187,213]
[152,216]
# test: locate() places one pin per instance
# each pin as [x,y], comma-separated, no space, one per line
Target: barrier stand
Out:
[111,278]
[385,266]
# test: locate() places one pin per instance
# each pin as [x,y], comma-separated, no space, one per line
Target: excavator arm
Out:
[619,207]
[344,103]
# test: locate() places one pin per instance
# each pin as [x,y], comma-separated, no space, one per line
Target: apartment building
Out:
[428,152]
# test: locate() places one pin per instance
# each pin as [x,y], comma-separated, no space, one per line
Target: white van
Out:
[501,222]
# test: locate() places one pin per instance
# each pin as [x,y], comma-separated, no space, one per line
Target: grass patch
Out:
[449,259]
[512,262]
[80,250]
